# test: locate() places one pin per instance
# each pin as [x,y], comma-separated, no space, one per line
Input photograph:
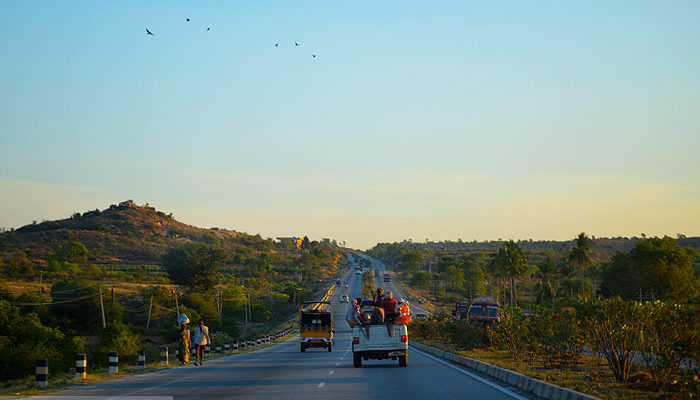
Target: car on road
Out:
[344,299]
[421,315]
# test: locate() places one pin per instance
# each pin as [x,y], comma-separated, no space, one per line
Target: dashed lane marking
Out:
[336,364]
[331,372]
[322,384]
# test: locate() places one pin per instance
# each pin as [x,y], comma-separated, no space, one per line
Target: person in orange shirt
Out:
[389,305]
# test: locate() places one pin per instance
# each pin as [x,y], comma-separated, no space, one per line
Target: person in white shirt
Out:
[201,340]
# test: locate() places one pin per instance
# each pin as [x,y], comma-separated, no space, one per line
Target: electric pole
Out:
[102,309]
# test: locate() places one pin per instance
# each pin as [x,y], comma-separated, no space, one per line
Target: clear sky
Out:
[416,119]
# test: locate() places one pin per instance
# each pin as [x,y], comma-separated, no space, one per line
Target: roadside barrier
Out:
[80,366]
[206,351]
[257,342]
[113,362]
[42,372]
[235,345]
[227,347]
[164,355]
[218,350]
[141,359]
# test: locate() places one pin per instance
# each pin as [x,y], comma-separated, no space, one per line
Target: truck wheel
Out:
[356,360]
[302,348]
[403,360]
[330,347]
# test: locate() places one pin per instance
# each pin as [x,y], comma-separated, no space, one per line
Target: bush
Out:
[115,337]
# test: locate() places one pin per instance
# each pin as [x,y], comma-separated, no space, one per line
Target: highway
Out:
[281,371]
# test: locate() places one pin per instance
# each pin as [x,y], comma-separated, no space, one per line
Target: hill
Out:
[123,233]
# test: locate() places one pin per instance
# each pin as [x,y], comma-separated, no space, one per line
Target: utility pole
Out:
[102,309]
[111,311]
[177,306]
[150,306]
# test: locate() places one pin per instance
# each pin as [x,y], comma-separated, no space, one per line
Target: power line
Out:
[75,300]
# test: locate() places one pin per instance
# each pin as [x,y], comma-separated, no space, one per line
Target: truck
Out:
[482,309]
[372,340]
[378,345]
[387,278]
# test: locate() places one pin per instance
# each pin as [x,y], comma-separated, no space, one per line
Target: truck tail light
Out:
[356,340]
[404,338]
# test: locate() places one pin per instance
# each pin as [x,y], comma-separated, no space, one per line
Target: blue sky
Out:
[440,120]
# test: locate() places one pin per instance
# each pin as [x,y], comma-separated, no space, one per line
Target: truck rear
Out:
[373,342]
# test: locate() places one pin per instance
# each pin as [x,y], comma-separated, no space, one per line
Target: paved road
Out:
[281,371]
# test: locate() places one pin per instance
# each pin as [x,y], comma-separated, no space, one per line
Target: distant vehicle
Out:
[483,309]
[344,299]
[420,300]
[338,283]
[358,271]
[421,315]
[387,278]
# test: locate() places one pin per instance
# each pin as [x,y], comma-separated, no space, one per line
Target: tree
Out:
[581,255]
[194,265]
[511,263]
[409,261]
[547,276]
[654,264]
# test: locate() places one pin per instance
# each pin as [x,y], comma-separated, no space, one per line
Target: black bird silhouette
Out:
[314,55]
[208,29]
[277,44]
[187,19]
[296,44]
[149,32]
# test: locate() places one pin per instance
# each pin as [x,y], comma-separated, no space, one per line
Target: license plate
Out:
[395,353]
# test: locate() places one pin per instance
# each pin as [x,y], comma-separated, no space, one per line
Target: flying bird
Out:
[148,32]
[314,55]
[208,29]
[296,44]
[187,19]
[277,44]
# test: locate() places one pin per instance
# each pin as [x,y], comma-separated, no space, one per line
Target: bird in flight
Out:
[296,44]
[208,29]
[187,19]
[313,55]
[277,44]
[148,32]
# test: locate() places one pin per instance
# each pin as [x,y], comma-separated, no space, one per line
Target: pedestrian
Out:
[201,340]
[183,340]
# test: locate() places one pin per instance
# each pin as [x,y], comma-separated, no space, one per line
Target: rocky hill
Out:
[123,233]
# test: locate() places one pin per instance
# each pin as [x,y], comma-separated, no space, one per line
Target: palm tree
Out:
[581,254]
[547,275]
[511,263]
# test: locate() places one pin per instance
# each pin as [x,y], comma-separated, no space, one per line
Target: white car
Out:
[344,299]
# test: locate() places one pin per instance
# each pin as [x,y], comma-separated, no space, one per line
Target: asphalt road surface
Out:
[281,371]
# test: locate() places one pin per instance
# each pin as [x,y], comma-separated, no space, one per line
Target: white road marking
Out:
[341,358]
[336,364]
[331,372]
[322,384]
[478,378]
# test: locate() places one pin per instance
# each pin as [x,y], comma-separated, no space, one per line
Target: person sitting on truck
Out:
[389,305]
[354,314]
[378,298]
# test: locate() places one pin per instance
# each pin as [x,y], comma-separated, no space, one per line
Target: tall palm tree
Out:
[511,263]
[547,275]
[580,255]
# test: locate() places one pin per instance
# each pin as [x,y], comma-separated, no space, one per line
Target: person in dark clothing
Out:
[377,300]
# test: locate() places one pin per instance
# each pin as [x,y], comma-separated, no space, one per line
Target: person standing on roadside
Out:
[183,340]
[201,340]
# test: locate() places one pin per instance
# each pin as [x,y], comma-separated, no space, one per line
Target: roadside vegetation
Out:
[622,325]
[55,303]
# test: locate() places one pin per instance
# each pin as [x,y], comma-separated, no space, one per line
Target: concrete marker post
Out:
[80,366]
[164,355]
[42,372]
[235,345]
[218,350]
[227,347]
[113,362]
[141,359]
[206,351]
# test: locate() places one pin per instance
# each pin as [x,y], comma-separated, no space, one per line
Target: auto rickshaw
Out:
[316,325]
